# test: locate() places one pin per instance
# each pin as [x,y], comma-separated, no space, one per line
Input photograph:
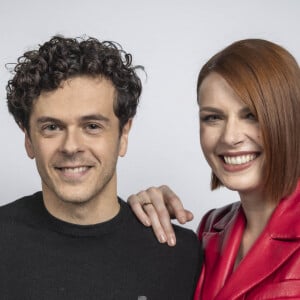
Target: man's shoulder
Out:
[19,206]
[186,239]
[181,263]
[185,235]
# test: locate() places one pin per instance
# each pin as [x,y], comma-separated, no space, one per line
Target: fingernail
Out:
[172,241]
[182,220]
[147,223]
[162,238]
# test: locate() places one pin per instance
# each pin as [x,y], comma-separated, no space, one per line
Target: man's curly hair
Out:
[61,58]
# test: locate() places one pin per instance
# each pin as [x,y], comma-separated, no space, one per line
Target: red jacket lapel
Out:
[221,244]
[221,231]
[277,243]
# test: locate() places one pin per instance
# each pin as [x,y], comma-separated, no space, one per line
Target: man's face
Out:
[74,137]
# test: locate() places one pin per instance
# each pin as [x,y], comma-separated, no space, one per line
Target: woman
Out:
[249,111]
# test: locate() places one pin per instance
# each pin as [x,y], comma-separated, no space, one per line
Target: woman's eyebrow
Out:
[210,109]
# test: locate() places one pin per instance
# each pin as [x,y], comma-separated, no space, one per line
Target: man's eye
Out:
[93,126]
[51,127]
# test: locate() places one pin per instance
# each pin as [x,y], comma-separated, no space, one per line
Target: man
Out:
[75,100]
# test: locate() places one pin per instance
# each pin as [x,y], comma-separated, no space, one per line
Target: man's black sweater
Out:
[42,257]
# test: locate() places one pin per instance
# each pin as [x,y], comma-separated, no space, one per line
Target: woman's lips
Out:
[238,162]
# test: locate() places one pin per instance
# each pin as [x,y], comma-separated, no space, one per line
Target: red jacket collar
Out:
[288,211]
[277,243]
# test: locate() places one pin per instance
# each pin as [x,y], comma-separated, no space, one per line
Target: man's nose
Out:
[72,142]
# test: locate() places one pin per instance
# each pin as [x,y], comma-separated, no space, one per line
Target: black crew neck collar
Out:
[76,230]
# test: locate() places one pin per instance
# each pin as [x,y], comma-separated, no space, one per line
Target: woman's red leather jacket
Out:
[271,268]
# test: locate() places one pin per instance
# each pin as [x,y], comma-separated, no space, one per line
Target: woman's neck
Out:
[258,210]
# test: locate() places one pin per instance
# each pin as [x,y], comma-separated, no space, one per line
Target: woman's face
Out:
[230,136]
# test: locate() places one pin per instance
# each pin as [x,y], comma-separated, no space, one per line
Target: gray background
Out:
[172,39]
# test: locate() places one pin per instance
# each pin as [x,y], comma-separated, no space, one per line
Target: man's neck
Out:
[93,211]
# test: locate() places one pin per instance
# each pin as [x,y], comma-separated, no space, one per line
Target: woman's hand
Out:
[155,207]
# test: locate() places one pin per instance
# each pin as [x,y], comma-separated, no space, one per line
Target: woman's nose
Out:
[233,132]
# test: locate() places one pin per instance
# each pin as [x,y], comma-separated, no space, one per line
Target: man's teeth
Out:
[74,170]
[238,160]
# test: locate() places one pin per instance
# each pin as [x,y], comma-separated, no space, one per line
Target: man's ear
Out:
[28,145]
[124,138]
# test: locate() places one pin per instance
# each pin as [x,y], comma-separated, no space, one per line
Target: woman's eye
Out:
[210,118]
[251,116]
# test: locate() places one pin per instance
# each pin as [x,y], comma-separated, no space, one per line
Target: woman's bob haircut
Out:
[266,77]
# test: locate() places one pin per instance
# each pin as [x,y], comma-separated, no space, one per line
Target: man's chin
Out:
[75,200]
[71,196]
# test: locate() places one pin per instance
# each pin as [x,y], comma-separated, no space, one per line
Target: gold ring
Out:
[146,203]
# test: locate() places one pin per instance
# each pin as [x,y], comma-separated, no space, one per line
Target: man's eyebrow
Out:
[96,117]
[46,119]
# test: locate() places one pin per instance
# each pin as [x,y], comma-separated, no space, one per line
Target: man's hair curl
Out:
[61,58]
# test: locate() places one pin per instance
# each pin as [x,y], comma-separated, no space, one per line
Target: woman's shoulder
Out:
[220,216]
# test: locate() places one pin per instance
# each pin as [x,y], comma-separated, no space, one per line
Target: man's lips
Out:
[73,172]
[73,169]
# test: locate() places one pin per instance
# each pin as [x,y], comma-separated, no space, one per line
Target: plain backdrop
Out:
[171,39]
